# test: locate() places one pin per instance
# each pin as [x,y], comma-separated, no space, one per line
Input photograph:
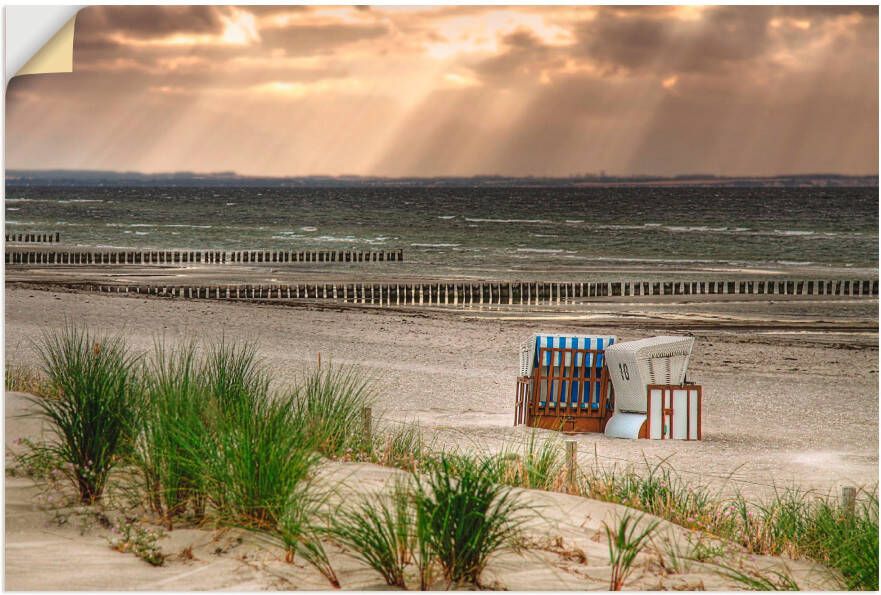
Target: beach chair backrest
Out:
[568,370]
[633,365]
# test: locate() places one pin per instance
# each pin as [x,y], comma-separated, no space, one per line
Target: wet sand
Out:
[790,386]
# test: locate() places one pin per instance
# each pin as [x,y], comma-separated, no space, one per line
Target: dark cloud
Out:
[723,38]
[828,11]
[317,39]
[149,21]
[523,55]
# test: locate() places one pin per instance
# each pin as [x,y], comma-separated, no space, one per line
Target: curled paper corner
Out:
[56,55]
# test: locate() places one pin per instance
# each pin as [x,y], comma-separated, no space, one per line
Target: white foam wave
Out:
[794,232]
[478,220]
[348,239]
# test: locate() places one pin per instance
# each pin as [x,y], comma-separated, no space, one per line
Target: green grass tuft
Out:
[464,516]
[171,445]
[95,405]
[328,405]
[381,533]
[539,465]
[626,541]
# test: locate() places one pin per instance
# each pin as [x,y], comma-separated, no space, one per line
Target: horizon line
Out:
[590,175]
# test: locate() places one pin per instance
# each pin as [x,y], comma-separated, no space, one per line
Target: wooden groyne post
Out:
[497,293]
[162,257]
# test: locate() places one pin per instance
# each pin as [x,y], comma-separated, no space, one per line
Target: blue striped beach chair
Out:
[563,383]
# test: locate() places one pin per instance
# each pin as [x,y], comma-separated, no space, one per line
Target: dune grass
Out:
[769,580]
[448,521]
[259,460]
[328,404]
[401,446]
[172,442]
[790,522]
[233,378]
[26,379]
[538,465]
[658,490]
[464,516]
[626,540]
[94,404]
[797,524]
[381,532]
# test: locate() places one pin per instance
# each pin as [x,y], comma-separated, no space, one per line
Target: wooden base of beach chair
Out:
[567,424]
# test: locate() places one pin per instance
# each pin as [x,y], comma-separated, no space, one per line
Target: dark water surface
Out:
[505,229]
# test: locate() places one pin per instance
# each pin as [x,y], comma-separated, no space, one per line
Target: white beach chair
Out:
[651,399]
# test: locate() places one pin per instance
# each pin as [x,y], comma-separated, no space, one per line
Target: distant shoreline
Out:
[231,179]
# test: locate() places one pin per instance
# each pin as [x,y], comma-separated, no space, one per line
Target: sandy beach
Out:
[790,391]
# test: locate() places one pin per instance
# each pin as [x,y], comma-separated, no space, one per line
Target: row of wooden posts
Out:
[498,293]
[44,238]
[120,257]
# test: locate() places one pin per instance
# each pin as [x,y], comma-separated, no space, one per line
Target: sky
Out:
[449,90]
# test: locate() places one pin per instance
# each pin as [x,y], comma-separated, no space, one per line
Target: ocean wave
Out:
[659,260]
[541,250]
[349,239]
[794,263]
[530,221]
[306,228]
[708,229]
[794,232]
[435,245]
[446,217]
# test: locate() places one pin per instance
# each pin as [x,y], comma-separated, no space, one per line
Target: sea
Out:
[483,232]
